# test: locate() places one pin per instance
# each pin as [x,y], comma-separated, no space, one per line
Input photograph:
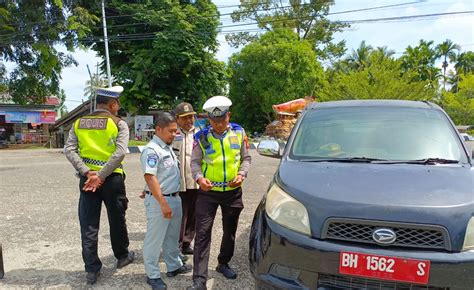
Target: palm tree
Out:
[360,57]
[446,49]
[463,62]
[382,53]
[97,80]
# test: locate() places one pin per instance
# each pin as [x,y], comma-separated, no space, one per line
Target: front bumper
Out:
[283,259]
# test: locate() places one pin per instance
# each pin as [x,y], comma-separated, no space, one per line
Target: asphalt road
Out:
[39,227]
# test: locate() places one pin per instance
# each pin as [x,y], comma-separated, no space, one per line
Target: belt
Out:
[97,162]
[170,194]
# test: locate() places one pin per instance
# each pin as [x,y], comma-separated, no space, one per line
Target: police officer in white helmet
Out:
[220,162]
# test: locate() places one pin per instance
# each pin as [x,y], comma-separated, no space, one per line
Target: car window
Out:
[391,133]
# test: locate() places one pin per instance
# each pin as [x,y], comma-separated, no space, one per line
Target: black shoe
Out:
[127,260]
[183,257]
[181,270]
[226,271]
[197,285]
[187,250]
[156,283]
[91,277]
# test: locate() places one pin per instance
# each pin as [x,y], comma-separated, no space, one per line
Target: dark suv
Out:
[368,195]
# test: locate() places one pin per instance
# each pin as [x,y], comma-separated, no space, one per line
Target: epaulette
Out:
[236,127]
[202,137]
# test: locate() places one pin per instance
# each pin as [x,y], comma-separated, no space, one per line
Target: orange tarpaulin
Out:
[293,106]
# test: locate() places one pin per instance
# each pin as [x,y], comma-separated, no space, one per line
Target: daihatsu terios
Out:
[368,195]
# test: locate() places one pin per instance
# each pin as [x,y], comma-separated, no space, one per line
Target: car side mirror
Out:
[270,148]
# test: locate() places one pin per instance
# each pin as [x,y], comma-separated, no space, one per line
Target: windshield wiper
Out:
[347,160]
[432,161]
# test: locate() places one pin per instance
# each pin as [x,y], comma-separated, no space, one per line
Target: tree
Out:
[307,18]
[30,31]
[460,105]
[381,78]
[446,50]
[276,68]
[463,65]
[419,61]
[162,52]
[97,80]
[359,57]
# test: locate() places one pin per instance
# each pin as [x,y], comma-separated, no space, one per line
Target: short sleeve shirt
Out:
[159,159]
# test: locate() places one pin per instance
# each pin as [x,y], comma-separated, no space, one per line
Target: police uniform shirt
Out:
[159,159]
[197,155]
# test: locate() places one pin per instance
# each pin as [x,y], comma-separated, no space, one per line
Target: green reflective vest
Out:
[221,157]
[96,135]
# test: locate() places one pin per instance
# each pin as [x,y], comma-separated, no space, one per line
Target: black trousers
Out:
[112,193]
[188,222]
[206,208]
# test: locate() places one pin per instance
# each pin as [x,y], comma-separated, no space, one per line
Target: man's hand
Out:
[167,212]
[237,181]
[93,181]
[204,183]
[142,194]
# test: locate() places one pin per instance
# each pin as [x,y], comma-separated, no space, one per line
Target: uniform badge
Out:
[152,160]
[234,142]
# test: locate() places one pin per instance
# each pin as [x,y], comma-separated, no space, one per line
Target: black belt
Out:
[170,194]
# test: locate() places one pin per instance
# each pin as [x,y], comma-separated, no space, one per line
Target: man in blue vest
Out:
[96,147]
[220,162]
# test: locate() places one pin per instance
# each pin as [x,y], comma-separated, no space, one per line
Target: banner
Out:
[142,123]
[45,117]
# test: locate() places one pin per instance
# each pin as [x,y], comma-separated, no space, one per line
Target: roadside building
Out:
[27,124]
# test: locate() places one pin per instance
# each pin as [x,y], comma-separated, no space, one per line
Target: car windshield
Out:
[374,134]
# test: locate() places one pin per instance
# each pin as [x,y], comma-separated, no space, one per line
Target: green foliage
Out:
[419,61]
[166,53]
[460,105]
[29,30]
[307,18]
[274,69]
[378,76]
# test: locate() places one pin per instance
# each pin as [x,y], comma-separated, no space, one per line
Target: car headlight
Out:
[469,237]
[287,211]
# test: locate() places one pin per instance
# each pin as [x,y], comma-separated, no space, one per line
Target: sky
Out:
[395,35]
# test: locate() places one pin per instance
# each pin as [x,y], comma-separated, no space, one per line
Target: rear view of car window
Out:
[389,133]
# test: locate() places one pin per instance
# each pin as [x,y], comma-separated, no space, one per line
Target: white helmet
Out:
[217,106]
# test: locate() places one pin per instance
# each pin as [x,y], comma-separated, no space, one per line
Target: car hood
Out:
[438,195]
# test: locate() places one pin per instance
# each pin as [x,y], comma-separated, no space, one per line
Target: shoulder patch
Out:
[152,160]
[93,123]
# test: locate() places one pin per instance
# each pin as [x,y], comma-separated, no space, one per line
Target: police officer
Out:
[96,147]
[220,162]
[183,144]
[162,203]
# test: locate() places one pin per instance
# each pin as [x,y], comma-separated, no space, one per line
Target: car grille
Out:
[343,282]
[408,235]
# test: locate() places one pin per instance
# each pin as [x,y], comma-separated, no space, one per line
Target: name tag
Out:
[167,161]
[93,123]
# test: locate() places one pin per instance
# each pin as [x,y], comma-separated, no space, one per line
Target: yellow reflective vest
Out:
[221,157]
[97,134]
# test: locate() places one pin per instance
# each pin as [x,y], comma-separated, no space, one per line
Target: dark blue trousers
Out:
[112,193]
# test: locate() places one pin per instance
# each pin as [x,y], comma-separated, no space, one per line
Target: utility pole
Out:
[92,96]
[106,41]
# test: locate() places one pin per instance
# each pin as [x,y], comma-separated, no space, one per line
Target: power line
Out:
[225,14]
[151,35]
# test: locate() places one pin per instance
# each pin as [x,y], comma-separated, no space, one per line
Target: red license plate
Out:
[384,267]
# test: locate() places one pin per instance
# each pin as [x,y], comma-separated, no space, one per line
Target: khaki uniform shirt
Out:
[183,146]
